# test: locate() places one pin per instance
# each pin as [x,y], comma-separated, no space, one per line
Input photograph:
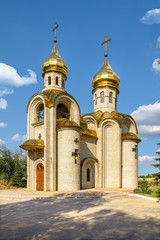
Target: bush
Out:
[155,190]
[144,185]
[137,190]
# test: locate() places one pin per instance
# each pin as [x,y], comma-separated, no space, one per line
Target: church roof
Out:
[32,144]
[85,131]
[106,76]
[50,96]
[64,122]
[54,62]
[130,136]
[100,116]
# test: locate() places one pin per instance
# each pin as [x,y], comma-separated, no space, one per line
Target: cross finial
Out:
[54,30]
[105,42]
[39,136]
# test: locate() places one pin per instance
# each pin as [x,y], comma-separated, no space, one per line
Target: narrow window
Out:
[40,113]
[62,83]
[102,96]
[88,175]
[95,99]
[49,80]
[110,97]
[56,80]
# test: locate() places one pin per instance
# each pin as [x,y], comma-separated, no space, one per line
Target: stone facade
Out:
[97,150]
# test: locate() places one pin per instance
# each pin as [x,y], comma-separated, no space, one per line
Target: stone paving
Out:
[83,215]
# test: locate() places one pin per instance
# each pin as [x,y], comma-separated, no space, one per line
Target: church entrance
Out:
[40,177]
[88,174]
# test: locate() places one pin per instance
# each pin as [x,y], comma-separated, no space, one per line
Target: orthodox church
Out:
[67,151]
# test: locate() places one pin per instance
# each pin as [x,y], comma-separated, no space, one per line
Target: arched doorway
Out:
[40,177]
[88,173]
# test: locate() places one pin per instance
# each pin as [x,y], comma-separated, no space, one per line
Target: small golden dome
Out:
[54,63]
[106,76]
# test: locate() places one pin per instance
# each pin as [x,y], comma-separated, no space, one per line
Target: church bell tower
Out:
[54,69]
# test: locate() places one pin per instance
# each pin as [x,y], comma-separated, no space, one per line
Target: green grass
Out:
[148,195]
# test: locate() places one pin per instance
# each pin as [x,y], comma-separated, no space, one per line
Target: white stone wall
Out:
[111,155]
[88,147]
[129,165]
[53,84]
[68,170]
[106,105]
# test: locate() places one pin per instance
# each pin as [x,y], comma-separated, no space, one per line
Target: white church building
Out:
[67,151]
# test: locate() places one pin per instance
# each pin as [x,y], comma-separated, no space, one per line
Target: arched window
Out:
[40,113]
[62,83]
[62,111]
[110,97]
[56,80]
[102,97]
[95,98]
[49,80]
[88,175]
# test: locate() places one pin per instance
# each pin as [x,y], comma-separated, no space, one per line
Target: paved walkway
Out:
[106,214]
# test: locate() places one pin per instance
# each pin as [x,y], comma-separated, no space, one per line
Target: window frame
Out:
[102,96]
[110,97]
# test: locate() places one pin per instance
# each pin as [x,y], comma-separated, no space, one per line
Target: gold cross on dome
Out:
[54,30]
[105,42]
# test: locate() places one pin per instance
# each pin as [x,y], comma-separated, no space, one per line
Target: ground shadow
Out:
[78,217]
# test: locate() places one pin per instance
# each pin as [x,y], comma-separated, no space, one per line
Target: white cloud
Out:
[9,76]
[17,137]
[156,65]
[147,118]
[158,150]
[2,142]
[2,124]
[158,42]
[146,160]
[151,17]
[5,91]
[3,103]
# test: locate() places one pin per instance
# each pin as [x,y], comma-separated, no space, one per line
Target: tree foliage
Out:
[157,165]
[13,167]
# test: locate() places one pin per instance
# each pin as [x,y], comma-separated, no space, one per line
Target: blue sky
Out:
[27,39]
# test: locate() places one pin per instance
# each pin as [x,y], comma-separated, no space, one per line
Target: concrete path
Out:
[81,215]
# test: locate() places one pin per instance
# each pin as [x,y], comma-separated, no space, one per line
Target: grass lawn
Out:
[147,195]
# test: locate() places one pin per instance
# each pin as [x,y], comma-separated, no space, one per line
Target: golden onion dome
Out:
[106,76]
[54,62]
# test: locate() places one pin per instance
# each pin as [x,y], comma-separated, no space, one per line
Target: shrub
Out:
[144,185]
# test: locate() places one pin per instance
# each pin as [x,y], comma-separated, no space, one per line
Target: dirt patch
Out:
[4,185]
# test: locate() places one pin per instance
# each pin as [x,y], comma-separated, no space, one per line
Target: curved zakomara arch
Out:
[63,94]
[111,122]
[35,96]
[87,159]
[90,119]
[71,105]
[33,104]
[53,99]
[129,118]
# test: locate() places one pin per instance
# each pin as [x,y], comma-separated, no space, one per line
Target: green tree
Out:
[7,164]
[19,178]
[13,167]
[157,165]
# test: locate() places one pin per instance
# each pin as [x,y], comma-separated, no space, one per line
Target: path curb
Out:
[149,198]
